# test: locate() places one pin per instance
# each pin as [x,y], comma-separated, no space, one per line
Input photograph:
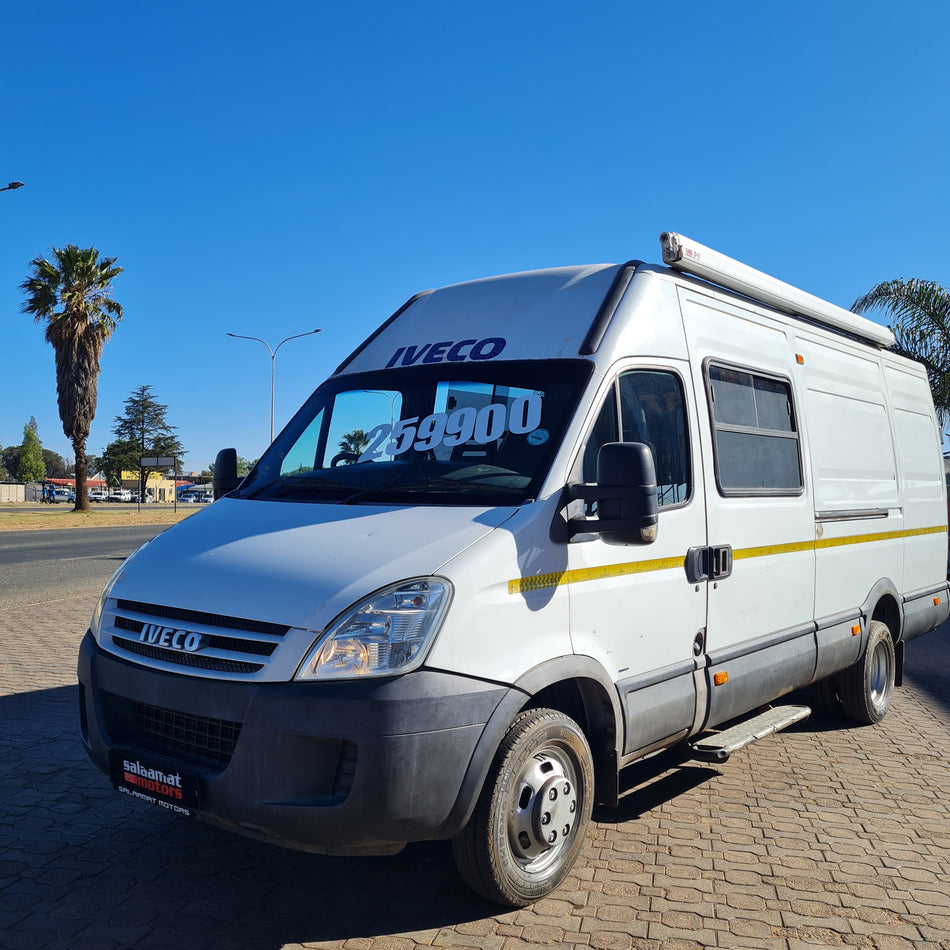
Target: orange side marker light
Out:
[720,678]
[856,630]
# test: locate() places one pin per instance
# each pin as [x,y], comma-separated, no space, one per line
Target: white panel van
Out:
[536,528]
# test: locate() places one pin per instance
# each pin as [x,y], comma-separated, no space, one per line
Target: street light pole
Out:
[12,186]
[273,359]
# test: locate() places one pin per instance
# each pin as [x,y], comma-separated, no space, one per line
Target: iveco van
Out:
[535,528]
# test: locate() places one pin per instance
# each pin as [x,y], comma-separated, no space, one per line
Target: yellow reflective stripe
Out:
[579,575]
[792,548]
[822,543]
[881,536]
[522,585]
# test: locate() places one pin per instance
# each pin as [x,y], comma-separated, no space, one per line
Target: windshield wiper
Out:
[363,493]
[295,483]
[414,485]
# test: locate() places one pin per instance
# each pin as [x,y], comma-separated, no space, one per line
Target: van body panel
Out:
[770,531]
[770,667]
[504,623]
[839,644]
[634,608]
[660,708]
[536,315]
[924,611]
[646,322]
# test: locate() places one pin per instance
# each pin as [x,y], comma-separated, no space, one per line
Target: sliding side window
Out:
[755,436]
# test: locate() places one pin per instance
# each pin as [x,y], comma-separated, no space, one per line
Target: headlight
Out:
[97,613]
[107,591]
[100,606]
[388,632]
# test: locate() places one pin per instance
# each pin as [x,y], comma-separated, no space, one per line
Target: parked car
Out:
[120,494]
[98,494]
[64,494]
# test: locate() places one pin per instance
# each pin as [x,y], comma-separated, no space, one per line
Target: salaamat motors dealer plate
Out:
[152,781]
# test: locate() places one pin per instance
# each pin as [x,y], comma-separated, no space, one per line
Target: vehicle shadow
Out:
[81,865]
[647,785]
[927,664]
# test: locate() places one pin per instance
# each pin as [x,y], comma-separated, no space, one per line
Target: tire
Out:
[867,688]
[531,818]
[823,696]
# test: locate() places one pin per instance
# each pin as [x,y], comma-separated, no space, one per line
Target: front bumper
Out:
[335,768]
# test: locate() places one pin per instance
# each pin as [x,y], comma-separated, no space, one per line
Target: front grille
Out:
[219,643]
[199,740]
[203,619]
[191,660]
[194,639]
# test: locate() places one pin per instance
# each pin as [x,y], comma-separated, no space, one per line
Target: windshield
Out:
[450,435]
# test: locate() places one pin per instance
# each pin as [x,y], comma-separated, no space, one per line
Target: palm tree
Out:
[73,294]
[921,312]
[354,441]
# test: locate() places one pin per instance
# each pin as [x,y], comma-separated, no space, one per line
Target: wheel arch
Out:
[577,686]
[884,603]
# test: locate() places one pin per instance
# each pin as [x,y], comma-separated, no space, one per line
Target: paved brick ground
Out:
[824,836]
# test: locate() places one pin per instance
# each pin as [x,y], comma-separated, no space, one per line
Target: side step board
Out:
[718,746]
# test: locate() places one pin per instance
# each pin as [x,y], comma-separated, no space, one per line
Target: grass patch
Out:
[62,516]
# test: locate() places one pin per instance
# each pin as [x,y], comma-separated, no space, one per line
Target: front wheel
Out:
[867,688]
[531,817]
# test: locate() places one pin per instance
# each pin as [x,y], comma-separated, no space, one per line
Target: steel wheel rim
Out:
[545,806]
[880,678]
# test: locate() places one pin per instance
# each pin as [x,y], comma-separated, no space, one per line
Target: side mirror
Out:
[225,478]
[625,493]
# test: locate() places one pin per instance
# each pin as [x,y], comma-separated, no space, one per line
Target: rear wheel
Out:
[867,688]
[529,824]
[823,696]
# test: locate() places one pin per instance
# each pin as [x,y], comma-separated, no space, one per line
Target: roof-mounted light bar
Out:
[690,257]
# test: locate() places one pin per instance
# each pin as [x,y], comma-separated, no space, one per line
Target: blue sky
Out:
[266,169]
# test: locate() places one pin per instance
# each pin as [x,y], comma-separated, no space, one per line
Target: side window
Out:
[606,429]
[652,411]
[647,406]
[755,436]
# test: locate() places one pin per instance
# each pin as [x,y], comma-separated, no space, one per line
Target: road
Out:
[825,836]
[45,565]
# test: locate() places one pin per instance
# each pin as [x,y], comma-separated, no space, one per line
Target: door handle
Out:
[708,563]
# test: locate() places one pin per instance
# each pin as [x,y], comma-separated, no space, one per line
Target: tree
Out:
[117,457]
[355,441]
[145,426]
[55,464]
[73,295]
[921,312]
[31,467]
[243,467]
[10,460]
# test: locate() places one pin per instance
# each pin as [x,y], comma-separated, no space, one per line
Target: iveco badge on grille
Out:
[171,638]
